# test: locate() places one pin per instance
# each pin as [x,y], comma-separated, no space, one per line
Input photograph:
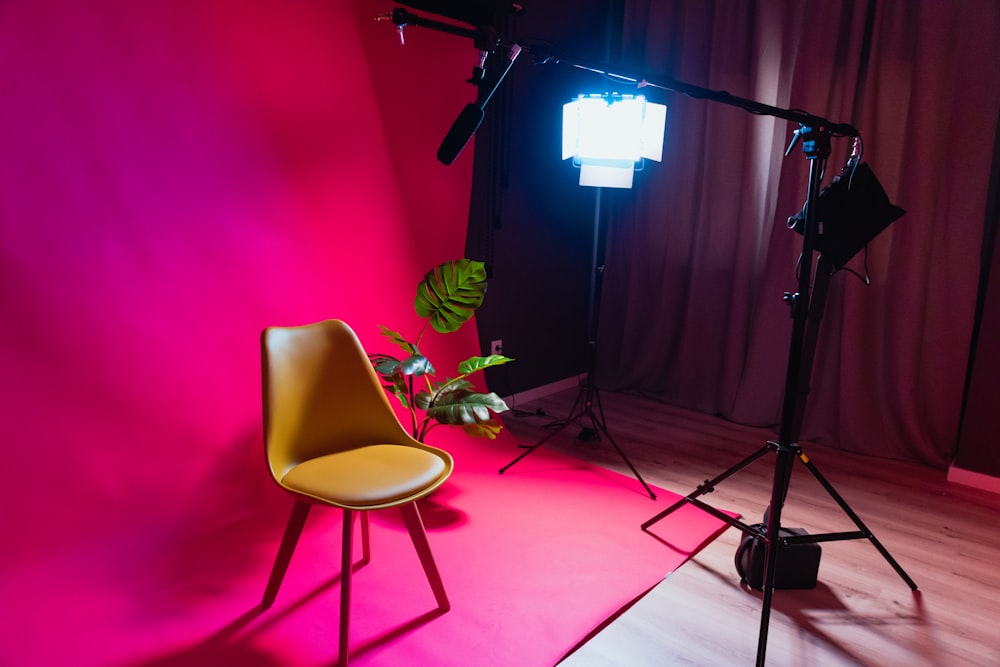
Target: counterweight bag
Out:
[797,564]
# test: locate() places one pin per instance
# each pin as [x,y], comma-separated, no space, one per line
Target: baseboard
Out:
[536,393]
[974,479]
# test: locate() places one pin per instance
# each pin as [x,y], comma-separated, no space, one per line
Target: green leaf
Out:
[422,400]
[495,403]
[488,429]
[389,371]
[450,293]
[474,364]
[453,385]
[398,339]
[384,364]
[416,365]
[454,390]
[456,408]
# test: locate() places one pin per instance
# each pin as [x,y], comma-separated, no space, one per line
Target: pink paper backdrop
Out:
[175,176]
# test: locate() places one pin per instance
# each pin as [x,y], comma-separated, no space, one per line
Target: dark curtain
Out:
[699,253]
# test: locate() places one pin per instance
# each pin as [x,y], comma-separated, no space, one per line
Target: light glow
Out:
[608,135]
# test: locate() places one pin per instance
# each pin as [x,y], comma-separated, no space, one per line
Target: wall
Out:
[175,176]
[530,220]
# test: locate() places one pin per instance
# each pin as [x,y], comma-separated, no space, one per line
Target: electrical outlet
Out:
[496,347]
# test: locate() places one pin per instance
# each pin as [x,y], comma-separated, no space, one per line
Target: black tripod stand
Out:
[587,405]
[807,311]
[588,400]
[486,41]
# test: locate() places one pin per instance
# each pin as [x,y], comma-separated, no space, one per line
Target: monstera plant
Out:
[447,298]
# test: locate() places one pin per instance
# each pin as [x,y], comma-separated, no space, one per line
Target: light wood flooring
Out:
[945,536]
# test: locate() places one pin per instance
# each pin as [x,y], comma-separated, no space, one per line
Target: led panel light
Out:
[607,135]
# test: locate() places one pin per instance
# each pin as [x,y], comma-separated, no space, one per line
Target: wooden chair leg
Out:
[366,547]
[345,585]
[300,511]
[415,526]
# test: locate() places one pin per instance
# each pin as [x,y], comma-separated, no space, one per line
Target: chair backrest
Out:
[321,395]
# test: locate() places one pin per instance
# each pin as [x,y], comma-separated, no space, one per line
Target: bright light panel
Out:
[606,135]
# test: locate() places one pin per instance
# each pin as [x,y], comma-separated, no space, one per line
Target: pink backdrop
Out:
[175,176]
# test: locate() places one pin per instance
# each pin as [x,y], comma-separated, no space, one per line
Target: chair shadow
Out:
[395,633]
[222,533]
[436,511]
[231,645]
[219,649]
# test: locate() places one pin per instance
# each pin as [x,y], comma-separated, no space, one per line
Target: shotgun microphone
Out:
[472,115]
[461,131]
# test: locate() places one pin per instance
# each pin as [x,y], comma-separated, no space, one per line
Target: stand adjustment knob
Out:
[792,299]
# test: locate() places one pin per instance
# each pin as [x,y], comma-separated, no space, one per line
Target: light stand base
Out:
[586,406]
[709,486]
[784,461]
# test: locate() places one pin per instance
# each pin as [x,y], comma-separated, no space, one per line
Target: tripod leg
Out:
[779,490]
[597,419]
[709,485]
[573,416]
[531,448]
[857,521]
[627,462]
[586,399]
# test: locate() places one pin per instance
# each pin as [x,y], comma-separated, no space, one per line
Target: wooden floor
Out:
[945,536]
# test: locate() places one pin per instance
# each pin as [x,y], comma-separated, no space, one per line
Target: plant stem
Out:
[412,408]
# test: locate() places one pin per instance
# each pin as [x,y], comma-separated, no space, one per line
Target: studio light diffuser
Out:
[608,135]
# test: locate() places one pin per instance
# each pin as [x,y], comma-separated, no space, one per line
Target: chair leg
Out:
[345,584]
[300,511]
[415,526]
[366,547]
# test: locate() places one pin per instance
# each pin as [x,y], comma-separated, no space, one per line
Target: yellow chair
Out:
[332,438]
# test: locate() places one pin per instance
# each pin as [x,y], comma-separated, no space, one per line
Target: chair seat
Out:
[366,476]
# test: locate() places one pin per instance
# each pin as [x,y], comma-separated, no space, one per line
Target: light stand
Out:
[807,306]
[588,400]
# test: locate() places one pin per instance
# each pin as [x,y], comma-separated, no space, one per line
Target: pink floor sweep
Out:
[533,561]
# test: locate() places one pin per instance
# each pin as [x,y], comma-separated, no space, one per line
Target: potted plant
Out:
[447,298]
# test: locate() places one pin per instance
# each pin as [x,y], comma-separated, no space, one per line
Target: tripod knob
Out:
[792,299]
